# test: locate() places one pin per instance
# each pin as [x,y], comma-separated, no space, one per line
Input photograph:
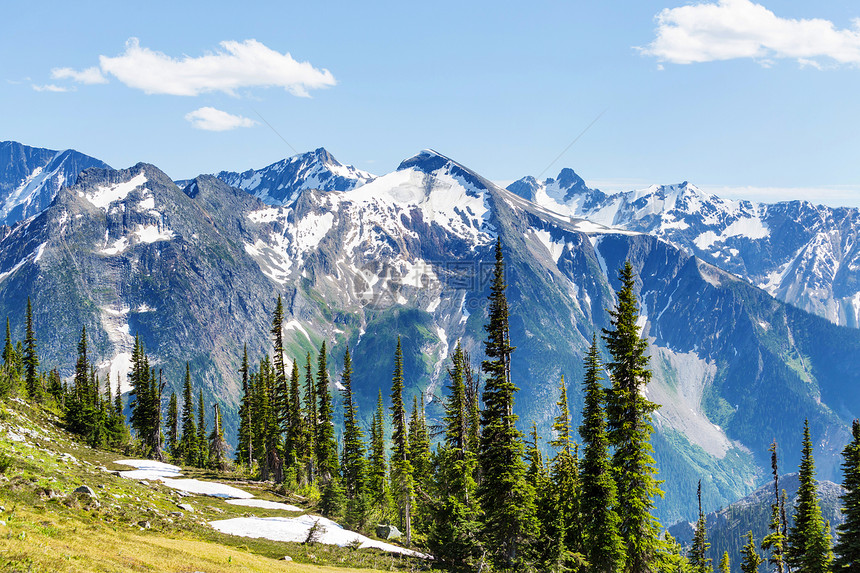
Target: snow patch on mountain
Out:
[103,196]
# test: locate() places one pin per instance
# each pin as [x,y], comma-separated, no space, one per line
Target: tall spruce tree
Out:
[699,559]
[378,476]
[774,542]
[188,443]
[750,559]
[202,442]
[808,539]
[848,547]
[31,357]
[402,486]
[604,547]
[311,420]
[172,424]
[326,444]
[454,532]
[217,443]
[245,445]
[281,390]
[354,462]
[629,413]
[506,498]
[422,464]
[296,430]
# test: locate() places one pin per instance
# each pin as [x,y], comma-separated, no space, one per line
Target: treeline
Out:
[484,498]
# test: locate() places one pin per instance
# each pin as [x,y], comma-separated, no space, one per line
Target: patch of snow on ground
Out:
[104,196]
[263,504]
[119,246]
[148,469]
[39,252]
[296,529]
[209,488]
[555,249]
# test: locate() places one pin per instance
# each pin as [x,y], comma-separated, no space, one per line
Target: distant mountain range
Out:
[194,271]
[804,254]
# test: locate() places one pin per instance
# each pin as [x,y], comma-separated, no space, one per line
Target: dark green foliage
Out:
[296,433]
[699,560]
[354,462]
[31,358]
[310,425]
[326,444]
[422,464]
[172,424]
[85,411]
[202,443]
[848,547]
[454,531]
[629,412]
[144,402]
[402,488]
[506,498]
[281,390]
[808,540]
[751,559]
[245,445]
[775,540]
[188,450]
[378,476]
[603,545]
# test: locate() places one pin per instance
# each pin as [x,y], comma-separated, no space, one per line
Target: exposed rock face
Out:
[195,272]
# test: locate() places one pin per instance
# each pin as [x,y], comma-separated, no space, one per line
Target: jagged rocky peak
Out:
[552,192]
[431,162]
[30,177]
[281,183]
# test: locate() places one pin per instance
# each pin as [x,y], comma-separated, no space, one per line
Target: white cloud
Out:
[51,88]
[236,65]
[731,29]
[88,76]
[211,119]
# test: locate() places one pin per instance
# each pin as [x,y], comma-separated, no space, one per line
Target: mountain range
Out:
[359,260]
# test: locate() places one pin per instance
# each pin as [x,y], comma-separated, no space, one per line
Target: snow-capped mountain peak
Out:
[282,182]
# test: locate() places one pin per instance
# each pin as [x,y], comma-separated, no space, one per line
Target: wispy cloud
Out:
[52,88]
[235,66]
[212,119]
[733,29]
[88,76]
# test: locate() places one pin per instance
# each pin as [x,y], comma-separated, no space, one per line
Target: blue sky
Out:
[741,98]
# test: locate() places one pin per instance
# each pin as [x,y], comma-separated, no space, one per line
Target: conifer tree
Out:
[140,397]
[172,424]
[808,540]
[561,505]
[296,430]
[117,400]
[628,413]
[281,391]
[188,443]
[31,357]
[422,465]
[699,559]
[506,498]
[326,444]
[402,488]
[775,540]
[454,533]
[354,462]
[156,387]
[750,558]
[311,420]
[603,545]
[848,547]
[217,443]
[245,445]
[725,564]
[378,475]
[202,443]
